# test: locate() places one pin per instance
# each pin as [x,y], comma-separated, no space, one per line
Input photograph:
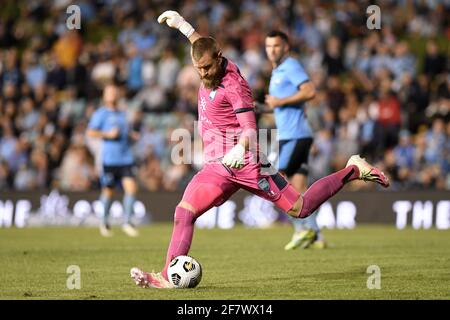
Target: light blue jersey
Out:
[290,120]
[114,152]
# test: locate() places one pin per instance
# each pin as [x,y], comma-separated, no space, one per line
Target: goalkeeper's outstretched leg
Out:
[325,188]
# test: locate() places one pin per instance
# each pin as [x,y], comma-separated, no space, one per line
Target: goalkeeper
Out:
[227,125]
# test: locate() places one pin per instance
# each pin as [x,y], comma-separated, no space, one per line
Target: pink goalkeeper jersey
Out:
[218,124]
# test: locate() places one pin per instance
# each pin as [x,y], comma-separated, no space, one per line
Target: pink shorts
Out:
[216,183]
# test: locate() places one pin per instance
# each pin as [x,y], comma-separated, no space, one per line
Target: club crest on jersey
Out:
[212,95]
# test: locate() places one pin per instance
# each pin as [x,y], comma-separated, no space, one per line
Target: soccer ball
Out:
[184,272]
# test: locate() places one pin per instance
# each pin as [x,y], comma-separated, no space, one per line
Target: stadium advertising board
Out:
[419,210]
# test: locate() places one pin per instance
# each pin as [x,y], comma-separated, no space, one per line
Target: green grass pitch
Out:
[237,264]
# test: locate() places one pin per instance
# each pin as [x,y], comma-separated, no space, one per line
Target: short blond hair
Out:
[205,45]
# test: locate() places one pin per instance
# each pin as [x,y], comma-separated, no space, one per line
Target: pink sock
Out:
[181,240]
[325,188]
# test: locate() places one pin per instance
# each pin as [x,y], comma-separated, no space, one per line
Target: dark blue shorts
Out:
[293,156]
[112,175]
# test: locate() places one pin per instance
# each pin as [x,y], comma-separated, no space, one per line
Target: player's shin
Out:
[183,230]
[325,188]
[128,205]
[106,202]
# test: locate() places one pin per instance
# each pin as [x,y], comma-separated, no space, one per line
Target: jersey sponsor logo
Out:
[202,115]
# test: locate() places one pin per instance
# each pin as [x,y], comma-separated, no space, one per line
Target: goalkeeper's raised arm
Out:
[176,21]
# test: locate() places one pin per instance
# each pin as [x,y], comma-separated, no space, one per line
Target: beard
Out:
[214,81]
[277,59]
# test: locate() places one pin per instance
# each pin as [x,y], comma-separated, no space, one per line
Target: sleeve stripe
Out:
[240,110]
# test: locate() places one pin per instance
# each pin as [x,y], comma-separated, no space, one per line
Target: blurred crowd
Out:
[382,93]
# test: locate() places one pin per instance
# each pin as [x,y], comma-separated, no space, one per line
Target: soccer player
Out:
[289,89]
[110,124]
[227,126]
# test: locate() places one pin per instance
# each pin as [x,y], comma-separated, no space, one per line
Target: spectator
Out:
[434,62]
[35,73]
[11,73]
[435,140]
[150,173]
[333,57]
[321,154]
[168,68]
[5,175]
[381,61]
[403,61]
[77,170]
[134,70]
[388,115]
[67,49]
[404,151]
